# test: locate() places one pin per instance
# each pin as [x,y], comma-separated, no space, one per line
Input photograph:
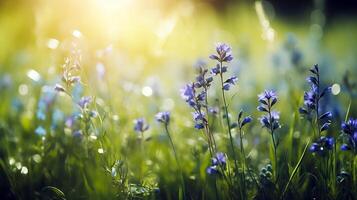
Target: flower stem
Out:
[243,154]
[227,120]
[273,140]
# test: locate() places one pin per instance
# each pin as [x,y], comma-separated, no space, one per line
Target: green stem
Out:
[348,109]
[227,120]
[176,158]
[295,170]
[274,143]
[243,154]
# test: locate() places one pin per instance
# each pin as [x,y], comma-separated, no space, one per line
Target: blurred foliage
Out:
[134,57]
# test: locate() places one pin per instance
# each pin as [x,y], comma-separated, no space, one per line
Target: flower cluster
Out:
[349,129]
[195,94]
[322,145]
[217,162]
[312,98]
[267,100]
[224,54]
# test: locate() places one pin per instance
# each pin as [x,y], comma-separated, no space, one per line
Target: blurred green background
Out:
[136,55]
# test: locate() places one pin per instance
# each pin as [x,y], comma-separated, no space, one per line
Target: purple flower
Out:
[246,120]
[218,161]
[349,128]
[216,70]
[312,98]
[77,134]
[229,82]
[232,80]
[224,53]
[69,122]
[345,147]
[163,117]
[213,110]
[188,92]
[198,116]
[322,145]
[140,125]
[84,101]
[211,170]
[267,100]
[267,95]
[226,86]
[199,126]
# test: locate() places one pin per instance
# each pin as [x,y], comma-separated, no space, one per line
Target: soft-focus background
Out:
[135,57]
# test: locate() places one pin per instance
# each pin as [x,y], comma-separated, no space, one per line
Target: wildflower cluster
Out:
[311,108]
[312,101]
[196,101]
[224,55]
[267,100]
[270,120]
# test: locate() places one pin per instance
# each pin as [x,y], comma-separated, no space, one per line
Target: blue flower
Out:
[69,122]
[188,92]
[217,70]
[199,126]
[218,161]
[140,125]
[213,110]
[349,128]
[229,82]
[322,145]
[246,120]
[267,95]
[211,170]
[198,116]
[84,101]
[163,117]
[345,147]
[224,53]
[267,100]
[40,131]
